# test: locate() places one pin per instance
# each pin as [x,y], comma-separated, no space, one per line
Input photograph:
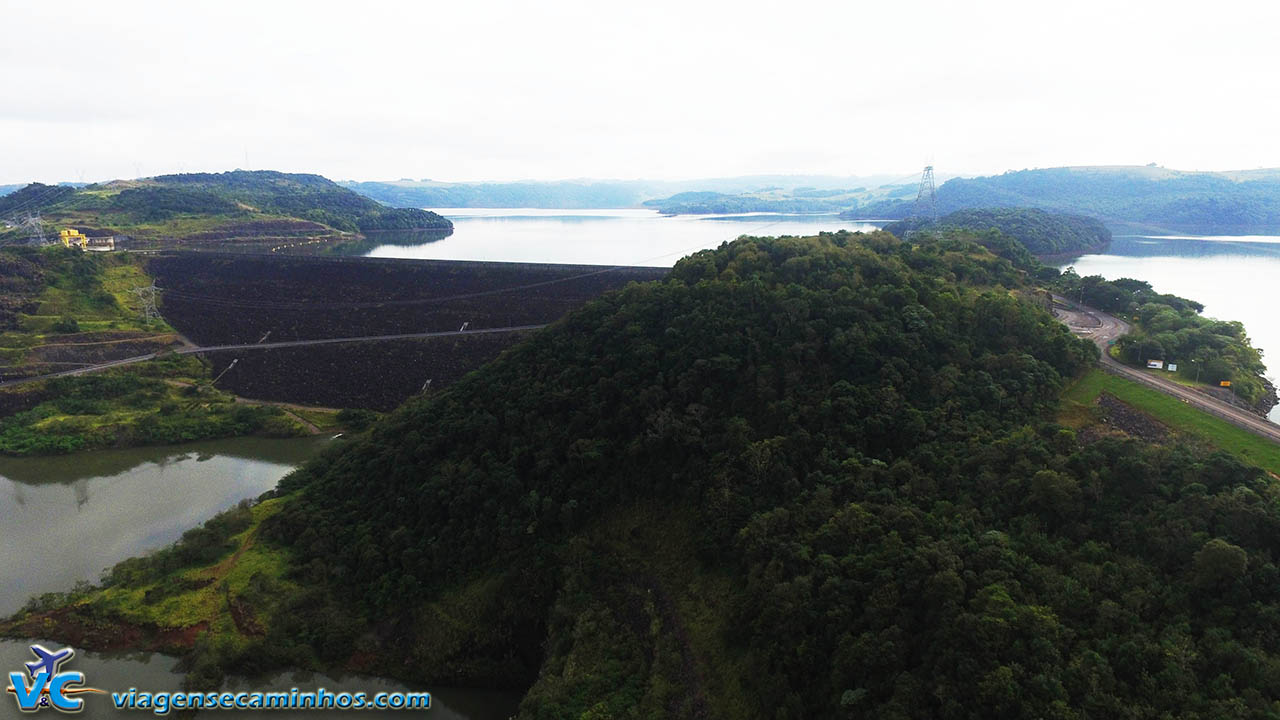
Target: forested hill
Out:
[1149,198]
[1042,233]
[210,207]
[800,478]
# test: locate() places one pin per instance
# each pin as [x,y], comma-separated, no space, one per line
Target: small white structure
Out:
[1155,364]
[1172,367]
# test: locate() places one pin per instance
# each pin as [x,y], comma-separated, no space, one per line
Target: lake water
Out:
[64,519]
[1231,275]
[594,237]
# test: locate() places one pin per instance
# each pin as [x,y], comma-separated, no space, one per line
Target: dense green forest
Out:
[1170,328]
[800,478]
[211,207]
[1146,198]
[1040,232]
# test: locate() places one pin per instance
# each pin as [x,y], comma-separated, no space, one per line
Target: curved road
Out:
[1104,329]
[267,346]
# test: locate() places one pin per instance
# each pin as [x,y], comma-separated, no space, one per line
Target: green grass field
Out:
[1179,416]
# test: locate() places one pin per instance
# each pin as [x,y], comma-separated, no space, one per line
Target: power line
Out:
[35,201]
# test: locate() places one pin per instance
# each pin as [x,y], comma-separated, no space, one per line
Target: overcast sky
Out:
[473,90]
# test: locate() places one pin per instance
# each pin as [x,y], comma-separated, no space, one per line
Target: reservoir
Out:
[1231,275]
[64,519]
[594,237]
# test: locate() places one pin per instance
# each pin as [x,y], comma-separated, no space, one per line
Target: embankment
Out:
[221,299]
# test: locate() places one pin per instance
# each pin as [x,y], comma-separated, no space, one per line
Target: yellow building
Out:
[72,235]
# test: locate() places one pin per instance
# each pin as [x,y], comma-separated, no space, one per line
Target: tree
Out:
[1219,563]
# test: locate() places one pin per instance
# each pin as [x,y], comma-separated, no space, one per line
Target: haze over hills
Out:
[206,207]
[1141,197]
[590,193]
[1124,197]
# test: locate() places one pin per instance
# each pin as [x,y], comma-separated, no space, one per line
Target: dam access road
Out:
[1104,330]
[267,346]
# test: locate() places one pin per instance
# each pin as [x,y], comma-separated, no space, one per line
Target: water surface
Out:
[1232,275]
[64,519]
[595,237]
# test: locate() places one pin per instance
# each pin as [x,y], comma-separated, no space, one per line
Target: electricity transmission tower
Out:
[926,206]
[33,223]
[147,298]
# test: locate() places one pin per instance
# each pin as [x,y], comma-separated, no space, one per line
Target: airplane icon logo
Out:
[49,661]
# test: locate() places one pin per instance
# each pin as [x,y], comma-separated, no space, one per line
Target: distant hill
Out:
[211,207]
[802,199]
[1041,232]
[596,193]
[1127,197]
[6,189]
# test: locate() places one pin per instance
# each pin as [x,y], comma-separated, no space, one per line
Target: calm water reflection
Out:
[64,519]
[1231,275]
[596,237]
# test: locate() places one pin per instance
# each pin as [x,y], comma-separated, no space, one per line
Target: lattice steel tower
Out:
[147,300]
[926,206]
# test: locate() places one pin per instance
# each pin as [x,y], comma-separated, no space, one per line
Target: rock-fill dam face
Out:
[227,299]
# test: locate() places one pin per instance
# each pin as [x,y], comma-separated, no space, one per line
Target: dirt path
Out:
[290,409]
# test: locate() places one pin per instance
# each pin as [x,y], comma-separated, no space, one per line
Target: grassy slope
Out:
[95,290]
[207,603]
[1182,418]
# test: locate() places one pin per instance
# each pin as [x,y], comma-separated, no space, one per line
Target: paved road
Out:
[1103,329]
[269,346]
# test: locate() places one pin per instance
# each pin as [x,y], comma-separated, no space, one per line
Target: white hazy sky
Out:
[478,90]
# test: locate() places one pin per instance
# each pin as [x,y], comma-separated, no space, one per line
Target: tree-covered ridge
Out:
[1042,233]
[800,478]
[309,196]
[778,200]
[1144,197]
[212,206]
[740,346]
